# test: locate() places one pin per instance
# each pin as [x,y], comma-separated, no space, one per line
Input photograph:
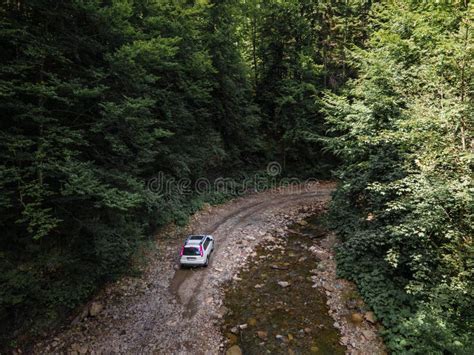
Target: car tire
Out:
[207,262]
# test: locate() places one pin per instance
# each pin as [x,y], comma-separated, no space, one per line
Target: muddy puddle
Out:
[272,306]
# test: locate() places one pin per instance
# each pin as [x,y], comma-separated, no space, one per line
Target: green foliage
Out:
[296,49]
[404,208]
[99,97]
[96,98]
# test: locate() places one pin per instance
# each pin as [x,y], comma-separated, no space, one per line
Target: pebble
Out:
[262,334]
[283,284]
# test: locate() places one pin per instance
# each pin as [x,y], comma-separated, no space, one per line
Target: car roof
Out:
[195,239]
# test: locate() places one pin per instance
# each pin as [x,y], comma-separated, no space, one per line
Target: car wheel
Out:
[207,262]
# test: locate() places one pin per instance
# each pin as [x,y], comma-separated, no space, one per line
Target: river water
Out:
[272,306]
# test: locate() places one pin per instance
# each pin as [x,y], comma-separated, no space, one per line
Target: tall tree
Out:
[404,208]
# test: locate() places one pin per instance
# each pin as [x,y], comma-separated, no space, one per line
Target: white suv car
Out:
[196,250]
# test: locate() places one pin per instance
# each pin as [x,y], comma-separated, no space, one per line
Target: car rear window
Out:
[196,237]
[191,251]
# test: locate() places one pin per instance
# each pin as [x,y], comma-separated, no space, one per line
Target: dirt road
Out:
[168,310]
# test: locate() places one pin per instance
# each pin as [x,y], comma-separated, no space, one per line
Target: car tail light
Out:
[182,251]
[201,251]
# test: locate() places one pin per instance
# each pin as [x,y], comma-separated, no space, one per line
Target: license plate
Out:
[191,258]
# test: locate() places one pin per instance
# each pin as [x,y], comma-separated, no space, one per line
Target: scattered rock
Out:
[302,222]
[370,317]
[369,335]
[234,330]
[234,350]
[357,317]
[262,334]
[243,326]
[283,284]
[223,310]
[95,309]
[321,267]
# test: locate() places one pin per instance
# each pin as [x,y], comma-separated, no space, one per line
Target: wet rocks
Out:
[357,328]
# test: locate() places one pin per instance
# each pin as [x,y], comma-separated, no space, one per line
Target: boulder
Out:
[95,308]
[232,338]
[234,350]
[370,317]
[357,317]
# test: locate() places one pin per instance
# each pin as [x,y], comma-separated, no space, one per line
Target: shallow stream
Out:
[272,306]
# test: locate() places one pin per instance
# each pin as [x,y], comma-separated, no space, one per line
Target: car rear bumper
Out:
[195,262]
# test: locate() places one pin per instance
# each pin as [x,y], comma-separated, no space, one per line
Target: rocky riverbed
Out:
[167,310]
[288,300]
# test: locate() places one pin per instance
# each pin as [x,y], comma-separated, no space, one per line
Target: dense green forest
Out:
[98,97]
